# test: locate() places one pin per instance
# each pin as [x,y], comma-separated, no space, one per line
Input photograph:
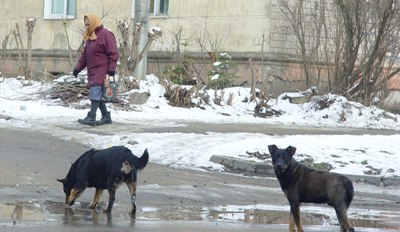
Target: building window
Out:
[159,7]
[59,9]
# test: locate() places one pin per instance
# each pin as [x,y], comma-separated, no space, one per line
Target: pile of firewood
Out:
[68,93]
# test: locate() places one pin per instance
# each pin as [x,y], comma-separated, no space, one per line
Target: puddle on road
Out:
[387,220]
[26,213]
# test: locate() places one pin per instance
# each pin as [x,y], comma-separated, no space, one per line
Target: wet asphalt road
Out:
[31,163]
[168,199]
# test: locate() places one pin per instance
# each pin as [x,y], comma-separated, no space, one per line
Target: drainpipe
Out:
[142,16]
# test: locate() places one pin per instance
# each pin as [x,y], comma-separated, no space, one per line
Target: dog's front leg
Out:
[95,218]
[111,199]
[97,197]
[132,191]
[295,211]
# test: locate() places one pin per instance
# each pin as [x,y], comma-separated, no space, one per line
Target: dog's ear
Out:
[62,180]
[291,150]
[272,148]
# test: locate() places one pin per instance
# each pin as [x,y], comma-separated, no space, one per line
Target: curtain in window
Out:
[159,7]
[71,7]
[151,6]
[163,6]
[57,6]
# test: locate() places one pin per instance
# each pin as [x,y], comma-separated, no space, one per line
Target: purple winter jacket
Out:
[99,56]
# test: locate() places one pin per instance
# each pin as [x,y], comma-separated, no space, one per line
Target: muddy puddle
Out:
[310,216]
[36,212]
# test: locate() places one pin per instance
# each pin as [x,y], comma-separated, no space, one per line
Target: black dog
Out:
[303,184]
[104,169]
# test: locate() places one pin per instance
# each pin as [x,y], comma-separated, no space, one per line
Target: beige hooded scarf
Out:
[94,22]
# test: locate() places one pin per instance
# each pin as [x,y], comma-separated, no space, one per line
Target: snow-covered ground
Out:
[23,106]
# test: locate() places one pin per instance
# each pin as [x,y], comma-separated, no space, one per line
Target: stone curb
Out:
[238,165]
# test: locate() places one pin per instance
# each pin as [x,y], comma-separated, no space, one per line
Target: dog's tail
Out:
[349,192]
[141,162]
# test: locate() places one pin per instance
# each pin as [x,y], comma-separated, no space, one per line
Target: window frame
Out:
[156,9]
[48,15]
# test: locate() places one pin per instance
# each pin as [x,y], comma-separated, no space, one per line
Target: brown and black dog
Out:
[303,184]
[104,169]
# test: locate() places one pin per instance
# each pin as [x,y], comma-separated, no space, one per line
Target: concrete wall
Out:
[230,26]
[207,25]
[50,34]
[235,24]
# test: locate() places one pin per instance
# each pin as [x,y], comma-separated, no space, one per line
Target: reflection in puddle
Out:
[21,213]
[179,213]
[259,216]
[268,214]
